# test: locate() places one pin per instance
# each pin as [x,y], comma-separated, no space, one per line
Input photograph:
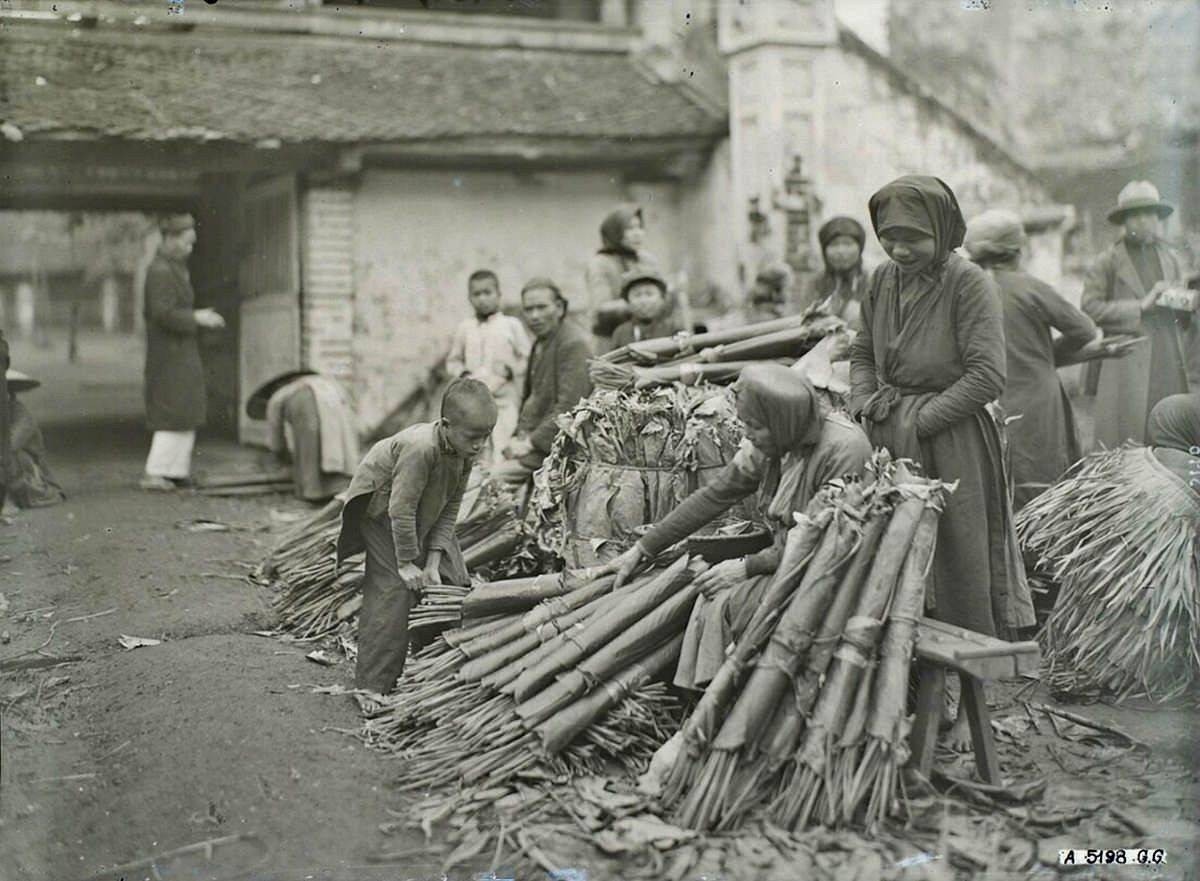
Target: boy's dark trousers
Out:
[383,619]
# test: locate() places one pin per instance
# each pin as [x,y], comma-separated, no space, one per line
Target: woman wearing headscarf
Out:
[794,445]
[1042,441]
[926,364]
[1173,433]
[621,236]
[839,289]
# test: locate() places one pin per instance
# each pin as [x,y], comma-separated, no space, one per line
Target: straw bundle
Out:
[1121,536]
[316,598]
[746,743]
[623,459]
[565,686]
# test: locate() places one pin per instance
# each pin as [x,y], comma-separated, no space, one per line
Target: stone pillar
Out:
[614,13]
[26,308]
[110,304]
[774,49]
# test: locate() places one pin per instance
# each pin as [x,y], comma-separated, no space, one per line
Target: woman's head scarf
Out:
[782,400]
[1175,422]
[921,203]
[612,230]
[995,234]
[829,282]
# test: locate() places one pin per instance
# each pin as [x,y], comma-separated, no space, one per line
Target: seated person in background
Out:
[493,348]
[556,381]
[1173,434]
[310,419]
[766,300]
[30,483]
[645,290]
[401,508]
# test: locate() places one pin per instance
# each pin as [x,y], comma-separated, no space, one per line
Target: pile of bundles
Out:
[315,599]
[626,458]
[806,719]
[1121,537]
[712,357]
[568,685]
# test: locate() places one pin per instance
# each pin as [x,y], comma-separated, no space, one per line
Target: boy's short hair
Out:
[466,394]
[547,283]
[481,275]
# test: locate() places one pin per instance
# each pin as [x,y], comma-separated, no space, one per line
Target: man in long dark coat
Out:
[174,382]
[1121,295]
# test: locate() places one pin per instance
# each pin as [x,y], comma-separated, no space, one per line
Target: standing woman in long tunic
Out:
[1042,440]
[927,362]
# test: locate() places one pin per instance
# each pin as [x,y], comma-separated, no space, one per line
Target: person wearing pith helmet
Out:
[1124,294]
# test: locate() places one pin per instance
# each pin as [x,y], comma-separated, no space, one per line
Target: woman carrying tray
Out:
[794,445]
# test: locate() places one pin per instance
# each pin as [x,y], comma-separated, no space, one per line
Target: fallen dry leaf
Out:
[136,642]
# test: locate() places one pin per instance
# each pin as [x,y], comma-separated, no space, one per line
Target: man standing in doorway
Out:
[174,383]
[556,381]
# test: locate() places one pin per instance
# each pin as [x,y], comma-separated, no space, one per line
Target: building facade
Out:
[351,165]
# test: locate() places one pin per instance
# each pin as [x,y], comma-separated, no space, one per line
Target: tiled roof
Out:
[164,86]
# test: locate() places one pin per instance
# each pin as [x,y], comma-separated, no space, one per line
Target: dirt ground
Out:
[216,734]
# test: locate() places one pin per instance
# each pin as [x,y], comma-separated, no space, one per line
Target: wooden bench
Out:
[942,648]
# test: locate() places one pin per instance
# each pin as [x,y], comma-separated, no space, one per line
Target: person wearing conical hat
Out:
[1122,294]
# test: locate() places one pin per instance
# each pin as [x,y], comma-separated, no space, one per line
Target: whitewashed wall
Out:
[420,234]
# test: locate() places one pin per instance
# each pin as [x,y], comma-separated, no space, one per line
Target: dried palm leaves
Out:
[1121,536]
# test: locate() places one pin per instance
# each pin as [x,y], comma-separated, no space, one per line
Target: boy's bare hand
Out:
[412,578]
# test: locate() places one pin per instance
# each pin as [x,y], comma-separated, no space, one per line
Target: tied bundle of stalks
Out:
[563,686]
[789,337]
[1120,535]
[623,459]
[803,669]
[862,694]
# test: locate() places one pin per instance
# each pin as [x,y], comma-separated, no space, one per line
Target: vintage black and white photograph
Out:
[599,440]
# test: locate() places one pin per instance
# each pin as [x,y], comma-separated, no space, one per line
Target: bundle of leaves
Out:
[623,459]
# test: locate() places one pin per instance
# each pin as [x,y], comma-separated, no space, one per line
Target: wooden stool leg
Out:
[931,702]
[974,703]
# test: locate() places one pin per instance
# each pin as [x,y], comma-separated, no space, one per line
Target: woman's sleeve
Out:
[1077,329]
[733,484]
[979,331]
[863,382]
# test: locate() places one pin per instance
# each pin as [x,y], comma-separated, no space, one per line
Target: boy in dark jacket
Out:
[401,509]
